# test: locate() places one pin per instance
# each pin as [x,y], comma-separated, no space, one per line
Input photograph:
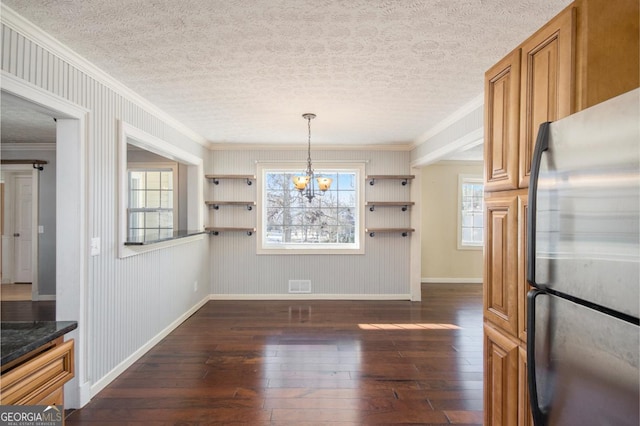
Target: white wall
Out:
[442,261]
[132,300]
[382,272]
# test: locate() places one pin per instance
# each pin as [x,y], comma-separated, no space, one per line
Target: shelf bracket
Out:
[404,182]
[372,182]
[404,208]
[216,181]
[372,208]
[249,207]
[249,183]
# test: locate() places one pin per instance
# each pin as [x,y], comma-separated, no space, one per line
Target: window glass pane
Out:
[152,219]
[136,199]
[477,235]
[136,220]
[166,180]
[166,199]
[153,199]
[467,235]
[478,220]
[166,219]
[153,180]
[137,180]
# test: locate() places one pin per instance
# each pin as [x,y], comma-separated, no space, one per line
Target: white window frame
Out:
[355,248]
[463,179]
[129,134]
[152,167]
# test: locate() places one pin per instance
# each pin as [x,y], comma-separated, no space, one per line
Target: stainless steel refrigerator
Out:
[583,251]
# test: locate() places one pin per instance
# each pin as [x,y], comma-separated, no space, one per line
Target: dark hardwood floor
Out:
[309,363]
[28,311]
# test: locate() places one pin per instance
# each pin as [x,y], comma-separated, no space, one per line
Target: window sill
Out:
[135,247]
[146,241]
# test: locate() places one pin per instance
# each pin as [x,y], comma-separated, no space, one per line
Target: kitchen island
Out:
[35,362]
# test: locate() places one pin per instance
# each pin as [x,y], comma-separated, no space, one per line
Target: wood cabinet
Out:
[531,85]
[500,295]
[585,55]
[501,130]
[500,378]
[38,380]
[546,83]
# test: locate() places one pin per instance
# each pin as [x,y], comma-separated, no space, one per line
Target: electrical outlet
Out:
[195,286]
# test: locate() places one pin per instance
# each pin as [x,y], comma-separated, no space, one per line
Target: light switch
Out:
[95,246]
[40,229]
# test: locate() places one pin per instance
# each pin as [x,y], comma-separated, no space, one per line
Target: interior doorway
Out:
[20,246]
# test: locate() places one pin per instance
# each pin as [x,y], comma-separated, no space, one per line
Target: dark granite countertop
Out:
[21,337]
[151,237]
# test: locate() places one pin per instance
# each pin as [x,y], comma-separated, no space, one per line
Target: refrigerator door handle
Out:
[539,416]
[542,144]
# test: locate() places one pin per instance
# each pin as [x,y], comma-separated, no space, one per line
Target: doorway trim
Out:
[71,221]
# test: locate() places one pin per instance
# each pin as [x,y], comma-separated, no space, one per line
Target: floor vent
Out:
[299,286]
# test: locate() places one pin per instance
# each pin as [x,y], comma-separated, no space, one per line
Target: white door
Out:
[23,230]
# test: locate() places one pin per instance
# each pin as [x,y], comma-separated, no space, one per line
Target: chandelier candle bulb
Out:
[324,183]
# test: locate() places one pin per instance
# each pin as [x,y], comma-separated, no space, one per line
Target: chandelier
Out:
[305,183]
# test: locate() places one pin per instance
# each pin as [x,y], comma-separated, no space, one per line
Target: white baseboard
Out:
[309,296]
[128,362]
[451,280]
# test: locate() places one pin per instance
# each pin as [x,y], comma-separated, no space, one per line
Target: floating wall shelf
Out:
[403,231]
[217,230]
[216,178]
[404,179]
[216,204]
[403,204]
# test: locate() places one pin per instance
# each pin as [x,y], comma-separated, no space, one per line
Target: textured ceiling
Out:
[240,71]
[21,123]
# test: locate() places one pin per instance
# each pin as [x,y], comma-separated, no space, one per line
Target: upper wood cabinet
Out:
[547,83]
[607,50]
[531,85]
[502,109]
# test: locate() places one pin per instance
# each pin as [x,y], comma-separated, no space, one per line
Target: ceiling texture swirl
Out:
[376,72]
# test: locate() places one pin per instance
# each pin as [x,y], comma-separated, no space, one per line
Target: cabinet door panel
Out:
[547,88]
[502,107]
[501,262]
[501,379]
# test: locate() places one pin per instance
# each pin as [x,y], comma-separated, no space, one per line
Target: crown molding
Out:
[34,33]
[459,114]
[298,147]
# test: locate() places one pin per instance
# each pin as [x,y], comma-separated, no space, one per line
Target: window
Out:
[331,222]
[471,212]
[152,212]
[160,193]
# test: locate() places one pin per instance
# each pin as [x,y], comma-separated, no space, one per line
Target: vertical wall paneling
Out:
[238,272]
[161,280]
